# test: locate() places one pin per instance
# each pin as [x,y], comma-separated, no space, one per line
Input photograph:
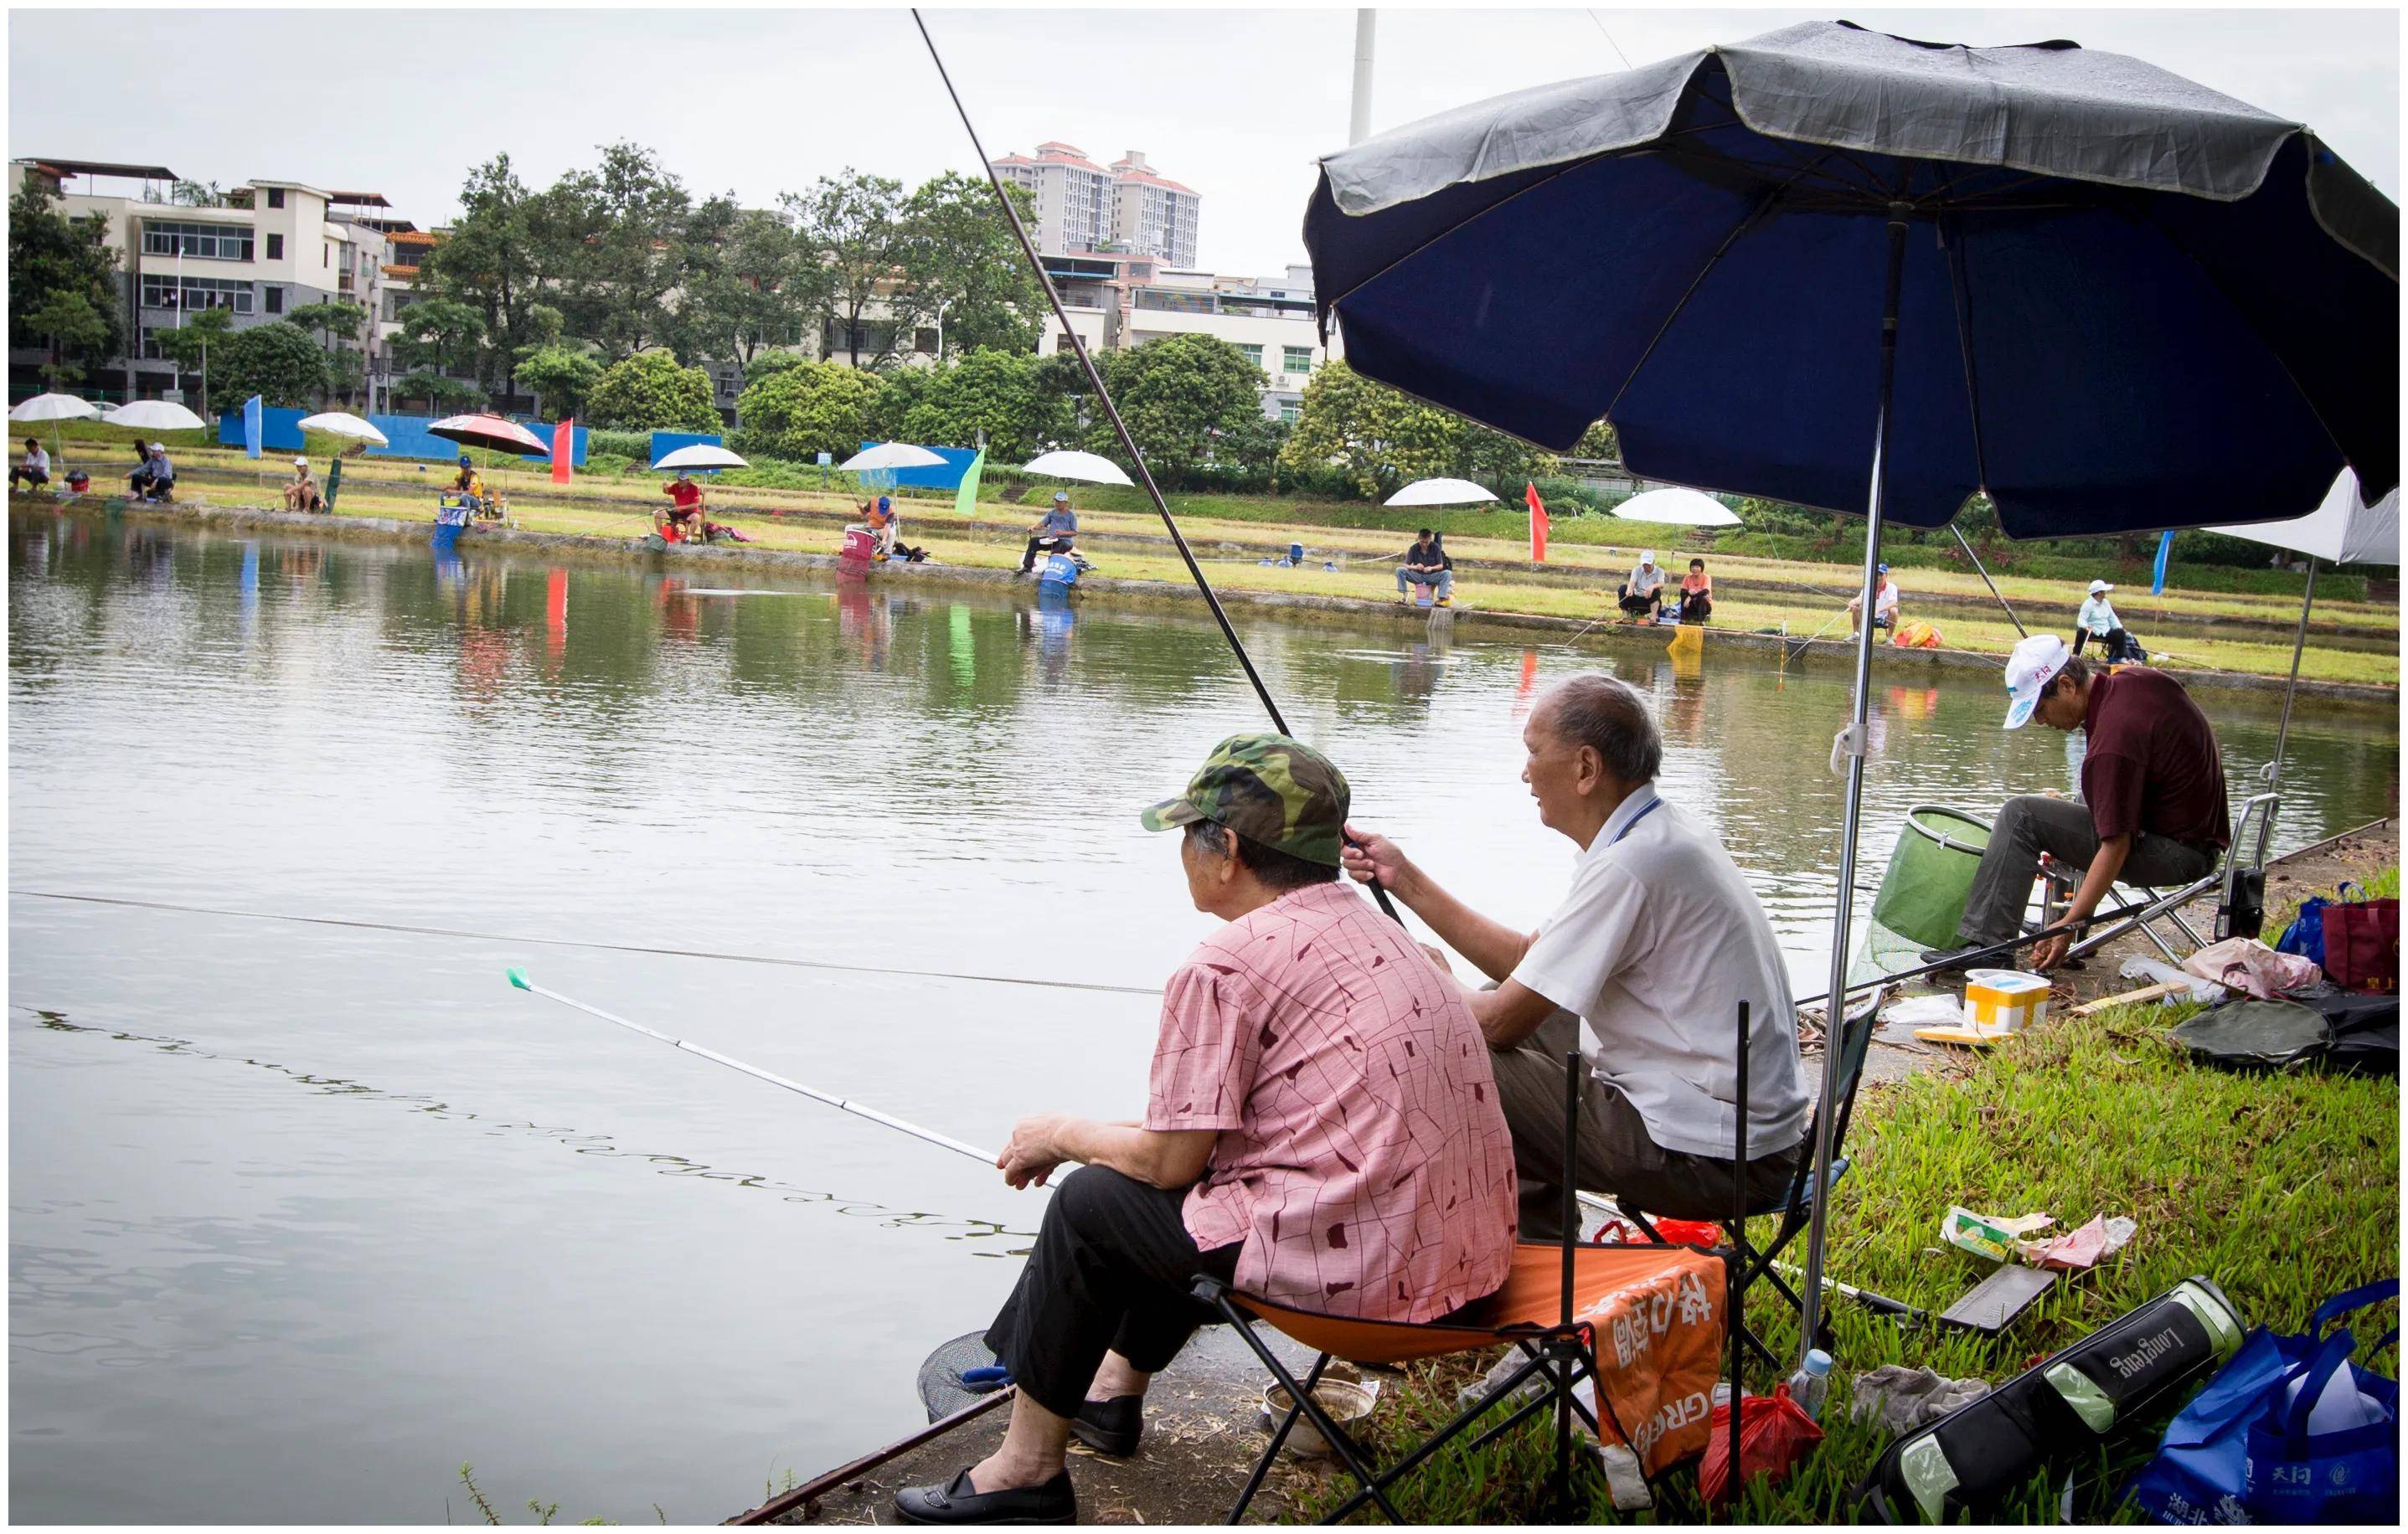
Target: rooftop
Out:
[101,168]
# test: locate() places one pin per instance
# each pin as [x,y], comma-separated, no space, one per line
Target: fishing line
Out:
[1120,428]
[509,939]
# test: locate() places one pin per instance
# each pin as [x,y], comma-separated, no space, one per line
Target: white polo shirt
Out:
[1654,947]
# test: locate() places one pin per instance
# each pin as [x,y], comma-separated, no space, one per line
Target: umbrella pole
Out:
[1826,1111]
[2299,643]
[1987,581]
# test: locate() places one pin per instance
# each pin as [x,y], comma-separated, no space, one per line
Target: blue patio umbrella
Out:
[1863,272]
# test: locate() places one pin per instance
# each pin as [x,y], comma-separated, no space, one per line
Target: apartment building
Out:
[1116,301]
[1082,206]
[259,250]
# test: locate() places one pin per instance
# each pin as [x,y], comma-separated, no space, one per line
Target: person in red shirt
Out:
[684,515]
[2153,811]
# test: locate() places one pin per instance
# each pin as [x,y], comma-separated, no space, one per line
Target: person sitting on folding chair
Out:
[1642,596]
[1654,948]
[2152,812]
[1321,1129]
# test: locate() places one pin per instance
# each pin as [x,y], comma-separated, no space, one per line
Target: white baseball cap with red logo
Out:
[2035,660]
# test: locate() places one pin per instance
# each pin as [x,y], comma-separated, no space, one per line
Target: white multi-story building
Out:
[1116,301]
[1081,206]
[261,250]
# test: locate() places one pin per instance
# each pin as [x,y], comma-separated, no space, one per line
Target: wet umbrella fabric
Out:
[2126,300]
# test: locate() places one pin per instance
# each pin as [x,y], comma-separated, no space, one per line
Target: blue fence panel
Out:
[407,435]
[947,477]
[279,430]
[665,443]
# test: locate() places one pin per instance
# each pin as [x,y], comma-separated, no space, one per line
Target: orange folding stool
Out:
[1643,1323]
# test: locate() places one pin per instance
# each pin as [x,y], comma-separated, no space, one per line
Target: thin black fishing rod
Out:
[1987,581]
[1103,396]
[2096,918]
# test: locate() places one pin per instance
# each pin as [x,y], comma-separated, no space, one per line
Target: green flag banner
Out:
[966,498]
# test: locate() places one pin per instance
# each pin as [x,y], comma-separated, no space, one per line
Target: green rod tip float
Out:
[518,977]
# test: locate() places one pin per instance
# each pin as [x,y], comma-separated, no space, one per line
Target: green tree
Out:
[441,393]
[767,363]
[997,394]
[960,264]
[745,287]
[494,261]
[438,335]
[52,258]
[563,378]
[340,326]
[858,242]
[188,346]
[650,392]
[1378,438]
[616,234]
[1182,397]
[799,412]
[276,360]
[67,324]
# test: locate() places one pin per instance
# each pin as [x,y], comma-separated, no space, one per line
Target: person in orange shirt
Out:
[1697,594]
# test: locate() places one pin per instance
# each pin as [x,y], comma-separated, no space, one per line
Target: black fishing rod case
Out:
[1970,1460]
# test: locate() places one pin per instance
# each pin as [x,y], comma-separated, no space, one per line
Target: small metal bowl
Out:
[1346,1403]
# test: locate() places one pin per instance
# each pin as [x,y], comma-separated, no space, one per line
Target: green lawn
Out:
[2282,1189]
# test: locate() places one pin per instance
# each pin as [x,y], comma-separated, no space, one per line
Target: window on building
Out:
[275,300]
[1288,414]
[1296,359]
[199,293]
[275,196]
[275,247]
[325,254]
[209,241]
[923,340]
[1253,353]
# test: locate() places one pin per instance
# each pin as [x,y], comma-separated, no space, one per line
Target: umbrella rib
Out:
[1962,300]
[1764,204]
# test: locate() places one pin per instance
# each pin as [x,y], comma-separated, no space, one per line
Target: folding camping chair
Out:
[1797,1207]
[1547,1308]
[2239,885]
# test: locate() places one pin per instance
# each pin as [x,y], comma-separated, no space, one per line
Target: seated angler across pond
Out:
[1321,1129]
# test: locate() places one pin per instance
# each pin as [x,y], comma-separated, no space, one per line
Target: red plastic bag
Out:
[1774,1433]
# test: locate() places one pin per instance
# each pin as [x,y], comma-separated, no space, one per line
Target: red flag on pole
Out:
[1538,524]
[563,448]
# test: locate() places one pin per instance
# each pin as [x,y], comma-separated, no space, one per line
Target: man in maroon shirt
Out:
[2152,812]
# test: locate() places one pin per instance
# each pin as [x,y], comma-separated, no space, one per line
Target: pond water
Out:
[305,1214]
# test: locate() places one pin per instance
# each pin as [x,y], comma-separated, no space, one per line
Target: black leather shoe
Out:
[954,1502]
[1111,1428]
[1950,961]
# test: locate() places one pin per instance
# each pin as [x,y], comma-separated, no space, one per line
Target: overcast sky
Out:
[1234,103]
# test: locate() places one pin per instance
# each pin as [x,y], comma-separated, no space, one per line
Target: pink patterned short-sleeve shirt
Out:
[1363,1159]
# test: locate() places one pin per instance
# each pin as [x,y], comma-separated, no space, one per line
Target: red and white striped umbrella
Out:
[490,430]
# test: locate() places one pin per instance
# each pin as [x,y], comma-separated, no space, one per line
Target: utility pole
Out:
[1359,124]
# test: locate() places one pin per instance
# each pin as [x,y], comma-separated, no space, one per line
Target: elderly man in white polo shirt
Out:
[1653,949]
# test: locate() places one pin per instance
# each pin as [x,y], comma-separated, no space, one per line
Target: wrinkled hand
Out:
[1369,855]
[1033,1152]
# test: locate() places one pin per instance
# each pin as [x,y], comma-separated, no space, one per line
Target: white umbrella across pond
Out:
[1068,463]
[1678,507]
[54,409]
[343,423]
[700,455]
[1439,493]
[888,456]
[154,415]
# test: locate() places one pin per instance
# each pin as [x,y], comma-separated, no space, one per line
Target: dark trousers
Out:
[1111,1272]
[1617,1156]
[2112,644]
[34,479]
[1696,607]
[1051,543]
[1636,603]
[2032,824]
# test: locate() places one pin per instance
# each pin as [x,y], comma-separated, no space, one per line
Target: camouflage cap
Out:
[1267,788]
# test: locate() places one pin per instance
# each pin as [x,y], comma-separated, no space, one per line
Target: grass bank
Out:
[2282,1189]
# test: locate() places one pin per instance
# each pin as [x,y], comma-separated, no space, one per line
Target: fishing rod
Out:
[1120,428]
[1955,961]
[1987,581]
[518,977]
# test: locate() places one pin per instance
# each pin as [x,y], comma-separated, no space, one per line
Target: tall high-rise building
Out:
[1081,206]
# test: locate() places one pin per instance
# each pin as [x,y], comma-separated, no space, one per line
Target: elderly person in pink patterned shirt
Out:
[1322,1130]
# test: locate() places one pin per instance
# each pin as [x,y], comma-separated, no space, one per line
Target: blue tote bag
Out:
[2241,1452]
